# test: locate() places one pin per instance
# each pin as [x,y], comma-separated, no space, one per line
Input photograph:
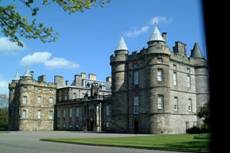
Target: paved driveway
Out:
[28,142]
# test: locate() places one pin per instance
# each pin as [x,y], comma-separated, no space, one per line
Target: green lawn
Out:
[185,142]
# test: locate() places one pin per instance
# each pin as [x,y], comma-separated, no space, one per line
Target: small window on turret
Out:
[159,60]
[174,66]
[159,74]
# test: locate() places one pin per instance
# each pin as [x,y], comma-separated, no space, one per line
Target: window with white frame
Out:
[39,114]
[77,111]
[24,114]
[190,104]
[24,100]
[39,99]
[136,77]
[74,95]
[136,105]
[188,81]
[175,104]
[160,102]
[159,74]
[51,100]
[174,78]
[50,115]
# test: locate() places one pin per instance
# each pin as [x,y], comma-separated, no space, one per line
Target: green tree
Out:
[3,119]
[204,114]
[14,25]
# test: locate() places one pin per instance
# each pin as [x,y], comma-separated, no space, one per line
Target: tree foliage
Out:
[3,118]
[14,25]
[204,113]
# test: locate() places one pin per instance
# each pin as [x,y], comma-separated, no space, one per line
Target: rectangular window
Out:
[159,75]
[136,77]
[65,97]
[159,60]
[107,110]
[51,100]
[24,100]
[39,114]
[188,70]
[188,81]
[136,105]
[190,104]
[175,104]
[174,78]
[50,114]
[24,114]
[74,96]
[64,113]
[58,113]
[39,99]
[77,112]
[70,112]
[160,102]
[174,66]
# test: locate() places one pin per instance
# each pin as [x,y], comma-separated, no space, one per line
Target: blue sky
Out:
[86,40]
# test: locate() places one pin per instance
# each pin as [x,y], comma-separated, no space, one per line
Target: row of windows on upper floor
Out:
[71,112]
[160,77]
[88,84]
[160,60]
[160,104]
[40,90]
[24,114]
[39,100]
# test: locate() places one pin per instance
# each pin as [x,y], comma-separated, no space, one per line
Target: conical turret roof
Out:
[196,51]
[122,45]
[156,35]
[27,73]
[17,77]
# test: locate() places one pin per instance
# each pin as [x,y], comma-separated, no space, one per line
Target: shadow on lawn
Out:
[194,146]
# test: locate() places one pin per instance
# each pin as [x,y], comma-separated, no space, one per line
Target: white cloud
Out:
[160,19]
[36,58]
[134,32]
[7,46]
[60,63]
[47,60]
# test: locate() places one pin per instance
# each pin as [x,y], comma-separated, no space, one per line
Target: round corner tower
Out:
[158,61]
[118,63]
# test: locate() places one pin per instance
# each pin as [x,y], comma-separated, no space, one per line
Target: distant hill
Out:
[3,101]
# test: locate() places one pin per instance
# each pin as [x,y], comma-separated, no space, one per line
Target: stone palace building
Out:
[154,90]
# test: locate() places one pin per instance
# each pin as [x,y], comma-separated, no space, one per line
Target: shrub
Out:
[202,136]
[197,130]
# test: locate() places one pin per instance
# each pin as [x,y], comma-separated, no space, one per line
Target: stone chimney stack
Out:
[92,77]
[164,35]
[59,81]
[42,78]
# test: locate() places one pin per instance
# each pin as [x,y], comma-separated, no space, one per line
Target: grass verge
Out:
[184,142]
